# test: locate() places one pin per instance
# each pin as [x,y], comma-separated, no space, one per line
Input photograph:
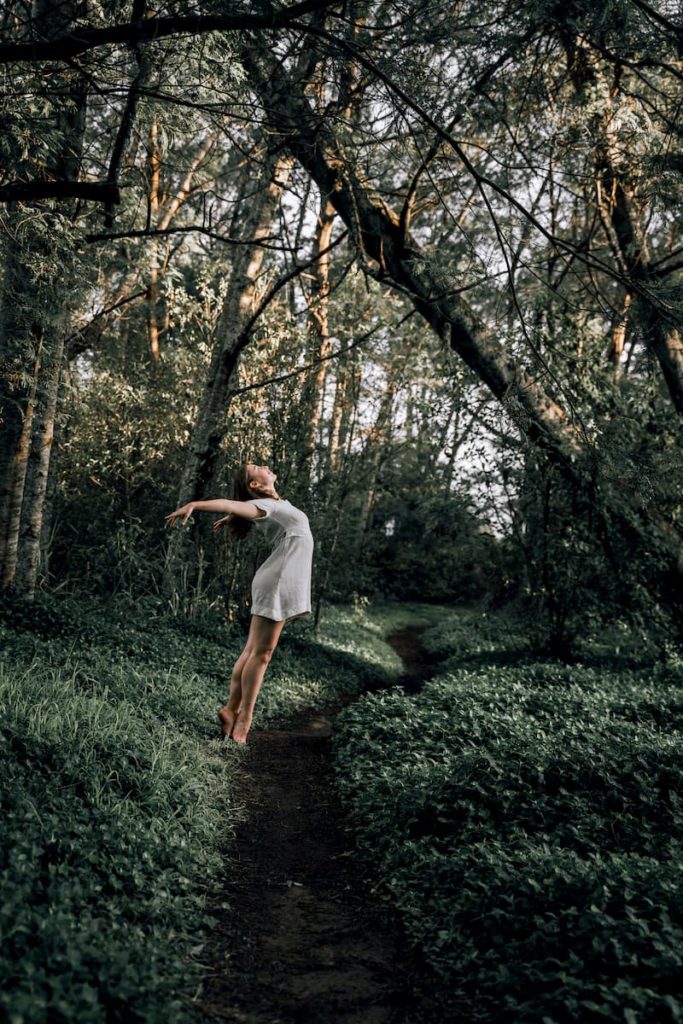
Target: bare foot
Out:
[241,728]
[226,718]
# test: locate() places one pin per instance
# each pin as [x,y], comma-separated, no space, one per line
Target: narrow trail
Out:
[306,942]
[418,667]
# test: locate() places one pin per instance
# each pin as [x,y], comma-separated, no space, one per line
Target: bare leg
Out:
[263,639]
[228,713]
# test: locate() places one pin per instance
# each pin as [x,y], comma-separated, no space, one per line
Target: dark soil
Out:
[306,942]
[416,662]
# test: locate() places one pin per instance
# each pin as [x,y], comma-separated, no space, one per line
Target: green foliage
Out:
[590,560]
[116,804]
[113,818]
[528,823]
[456,636]
[456,564]
[359,630]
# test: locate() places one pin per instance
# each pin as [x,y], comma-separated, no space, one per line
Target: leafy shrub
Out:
[115,810]
[112,822]
[459,635]
[528,823]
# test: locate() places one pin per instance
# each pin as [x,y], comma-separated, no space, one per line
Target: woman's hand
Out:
[186,511]
[220,523]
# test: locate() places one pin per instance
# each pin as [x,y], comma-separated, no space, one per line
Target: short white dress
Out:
[281,588]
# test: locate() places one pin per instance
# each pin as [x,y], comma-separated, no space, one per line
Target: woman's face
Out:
[262,476]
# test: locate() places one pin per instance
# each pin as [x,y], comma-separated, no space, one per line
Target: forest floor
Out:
[307,941]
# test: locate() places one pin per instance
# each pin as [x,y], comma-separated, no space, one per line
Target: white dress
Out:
[281,588]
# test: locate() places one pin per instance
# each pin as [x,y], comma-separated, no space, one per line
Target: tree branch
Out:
[25,191]
[323,359]
[156,233]
[286,278]
[655,15]
[149,30]
[82,332]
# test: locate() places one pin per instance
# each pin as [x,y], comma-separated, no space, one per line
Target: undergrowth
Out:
[525,817]
[118,803]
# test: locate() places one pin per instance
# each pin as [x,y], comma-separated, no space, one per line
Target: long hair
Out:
[238,526]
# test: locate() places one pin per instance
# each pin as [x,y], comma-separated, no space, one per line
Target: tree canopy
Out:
[421,255]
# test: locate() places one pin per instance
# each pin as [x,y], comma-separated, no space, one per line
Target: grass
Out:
[118,805]
[526,817]
[115,813]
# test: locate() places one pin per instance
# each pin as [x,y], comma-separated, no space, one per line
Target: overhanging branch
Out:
[25,191]
[323,359]
[70,45]
[262,243]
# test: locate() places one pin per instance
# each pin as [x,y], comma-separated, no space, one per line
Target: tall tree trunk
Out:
[47,528]
[318,319]
[15,441]
[35,487]
[376,442]
[667,344]
[154,165]
[338,410]
[34,314]
[618,339]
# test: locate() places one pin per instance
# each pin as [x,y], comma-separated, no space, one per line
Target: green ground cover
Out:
[525,817]
[117,802]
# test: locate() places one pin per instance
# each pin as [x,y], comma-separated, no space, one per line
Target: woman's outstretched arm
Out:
[246,509]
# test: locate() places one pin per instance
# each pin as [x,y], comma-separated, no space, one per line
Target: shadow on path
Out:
[418,666]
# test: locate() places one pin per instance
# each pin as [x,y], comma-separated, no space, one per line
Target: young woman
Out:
[280,590]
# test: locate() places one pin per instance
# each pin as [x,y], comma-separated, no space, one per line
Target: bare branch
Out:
[655,15]
[25,191]
[286,278]
[323,359]
[189,229]
[82,333]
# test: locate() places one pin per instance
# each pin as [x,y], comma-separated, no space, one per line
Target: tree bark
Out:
[318,306]
[154,166]
[618,338]
[15,440]
[377,440]
[35,486]
[34,317]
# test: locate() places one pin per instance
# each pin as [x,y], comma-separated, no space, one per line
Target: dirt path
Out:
[417,664]
[312,944]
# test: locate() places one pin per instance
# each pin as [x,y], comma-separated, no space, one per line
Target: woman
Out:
[280,590]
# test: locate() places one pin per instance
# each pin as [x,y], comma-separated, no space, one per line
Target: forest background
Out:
[423,259]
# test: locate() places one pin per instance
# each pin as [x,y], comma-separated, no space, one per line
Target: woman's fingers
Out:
[173,516]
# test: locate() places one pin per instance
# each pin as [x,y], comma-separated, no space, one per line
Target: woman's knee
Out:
[263,653]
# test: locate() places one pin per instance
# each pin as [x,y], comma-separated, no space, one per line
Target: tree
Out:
[514,187]
[34,323]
